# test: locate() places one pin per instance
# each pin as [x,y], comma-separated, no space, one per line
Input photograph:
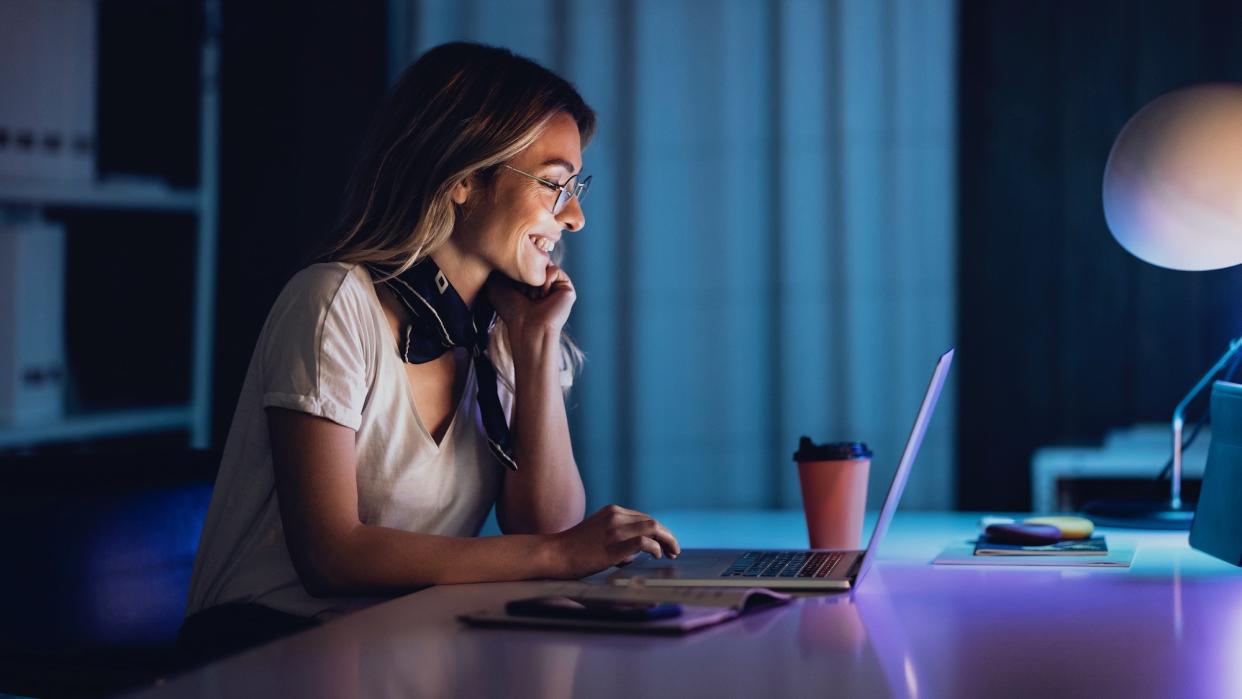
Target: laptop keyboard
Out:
[783,564]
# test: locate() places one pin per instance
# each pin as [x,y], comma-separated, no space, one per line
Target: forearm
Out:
[371,559]
[545,494]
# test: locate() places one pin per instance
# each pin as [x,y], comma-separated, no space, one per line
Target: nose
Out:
[571,217]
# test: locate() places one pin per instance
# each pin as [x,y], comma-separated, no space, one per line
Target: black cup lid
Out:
[832,451]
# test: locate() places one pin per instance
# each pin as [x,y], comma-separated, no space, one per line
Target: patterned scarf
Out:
[439,321]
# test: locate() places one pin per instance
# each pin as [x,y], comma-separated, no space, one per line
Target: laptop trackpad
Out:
[691,564]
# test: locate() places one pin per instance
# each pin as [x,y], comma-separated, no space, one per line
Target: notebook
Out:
[1094,546]
[1119,555]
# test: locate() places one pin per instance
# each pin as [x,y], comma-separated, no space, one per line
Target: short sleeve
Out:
[316,344]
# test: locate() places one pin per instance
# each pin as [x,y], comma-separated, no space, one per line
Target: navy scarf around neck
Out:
[439,321]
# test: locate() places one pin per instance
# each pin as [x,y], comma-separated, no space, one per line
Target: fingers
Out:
[550,277]
[649,545]
[647,527]
[556,278]
[667,540]
[639,544]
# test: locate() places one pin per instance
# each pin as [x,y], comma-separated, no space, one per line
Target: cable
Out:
[1199,423]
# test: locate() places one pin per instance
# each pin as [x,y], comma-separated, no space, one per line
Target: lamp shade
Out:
[1173,183]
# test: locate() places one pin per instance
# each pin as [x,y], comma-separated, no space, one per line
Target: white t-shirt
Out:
[327,349]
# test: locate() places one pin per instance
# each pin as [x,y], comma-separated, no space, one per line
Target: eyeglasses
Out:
[573,187]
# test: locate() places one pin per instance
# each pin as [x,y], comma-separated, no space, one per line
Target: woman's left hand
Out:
[532,311]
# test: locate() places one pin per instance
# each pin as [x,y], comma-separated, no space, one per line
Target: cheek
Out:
[526,222]
[505,231]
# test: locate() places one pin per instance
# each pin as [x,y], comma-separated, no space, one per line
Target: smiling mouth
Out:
[542,244]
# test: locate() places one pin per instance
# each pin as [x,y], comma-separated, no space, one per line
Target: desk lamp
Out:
[1173,198]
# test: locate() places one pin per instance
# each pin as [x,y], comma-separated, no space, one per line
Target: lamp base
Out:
[1139,514]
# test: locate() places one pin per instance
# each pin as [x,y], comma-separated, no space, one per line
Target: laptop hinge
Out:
[855,566]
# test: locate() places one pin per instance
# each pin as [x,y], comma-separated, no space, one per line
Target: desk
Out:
[1169,626]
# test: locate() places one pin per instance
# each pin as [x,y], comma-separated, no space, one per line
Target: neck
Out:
[467,274]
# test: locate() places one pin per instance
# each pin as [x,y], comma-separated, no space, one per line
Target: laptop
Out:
[807,569]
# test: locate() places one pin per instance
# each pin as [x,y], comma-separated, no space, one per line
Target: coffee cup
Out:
[834,491]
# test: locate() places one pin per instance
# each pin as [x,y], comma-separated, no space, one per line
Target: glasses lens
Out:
[583,187]
[562,197]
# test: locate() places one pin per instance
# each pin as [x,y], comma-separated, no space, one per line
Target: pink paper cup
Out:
[834,491]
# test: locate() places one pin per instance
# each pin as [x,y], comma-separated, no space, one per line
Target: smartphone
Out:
[599,610]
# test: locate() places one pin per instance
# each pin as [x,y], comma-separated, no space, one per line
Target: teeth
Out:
[544,244]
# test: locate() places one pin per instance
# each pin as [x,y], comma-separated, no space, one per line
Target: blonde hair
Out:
[461,109]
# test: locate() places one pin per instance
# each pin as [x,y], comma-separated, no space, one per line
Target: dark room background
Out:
[1063,334]
[796,206]
[995,220]
[301,81]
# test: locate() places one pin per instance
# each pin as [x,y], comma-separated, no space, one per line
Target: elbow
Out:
[320,570]
[319,580]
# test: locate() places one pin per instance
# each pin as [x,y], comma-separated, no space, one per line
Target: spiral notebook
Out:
[1094,546]
[1119,555]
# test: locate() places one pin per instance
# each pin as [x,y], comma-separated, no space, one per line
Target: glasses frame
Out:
[564,191]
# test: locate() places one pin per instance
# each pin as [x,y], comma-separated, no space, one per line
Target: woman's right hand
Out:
[611,536]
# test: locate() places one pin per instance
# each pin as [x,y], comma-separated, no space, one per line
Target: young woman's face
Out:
[511,227]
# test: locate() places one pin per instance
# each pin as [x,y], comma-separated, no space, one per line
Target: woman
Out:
[380,420]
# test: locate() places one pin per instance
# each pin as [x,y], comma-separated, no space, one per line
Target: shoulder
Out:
[329,297]
[328,288]
[326,281]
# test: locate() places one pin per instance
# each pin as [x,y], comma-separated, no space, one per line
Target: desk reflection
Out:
[864,628]
[460,666]
[816,645]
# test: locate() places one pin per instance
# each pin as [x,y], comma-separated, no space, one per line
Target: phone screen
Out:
[603,610]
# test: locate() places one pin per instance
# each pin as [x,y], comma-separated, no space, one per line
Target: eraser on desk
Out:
[1071,527]
[1023,534]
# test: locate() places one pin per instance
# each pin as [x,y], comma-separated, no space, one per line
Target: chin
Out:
[537,279]
[532,272]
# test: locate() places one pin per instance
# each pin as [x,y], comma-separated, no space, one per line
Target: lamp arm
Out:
[1179,420]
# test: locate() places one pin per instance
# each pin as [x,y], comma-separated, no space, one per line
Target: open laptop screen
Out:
[907,461]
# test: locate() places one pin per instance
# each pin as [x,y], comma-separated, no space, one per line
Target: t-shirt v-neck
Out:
[466,388]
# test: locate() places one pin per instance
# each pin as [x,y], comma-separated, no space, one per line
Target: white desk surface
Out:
[1169,626]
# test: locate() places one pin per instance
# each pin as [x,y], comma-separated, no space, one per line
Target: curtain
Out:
[770,247]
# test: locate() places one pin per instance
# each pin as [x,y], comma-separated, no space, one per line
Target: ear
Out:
[462,190]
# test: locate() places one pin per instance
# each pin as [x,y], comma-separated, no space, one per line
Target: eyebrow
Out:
[560,161]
